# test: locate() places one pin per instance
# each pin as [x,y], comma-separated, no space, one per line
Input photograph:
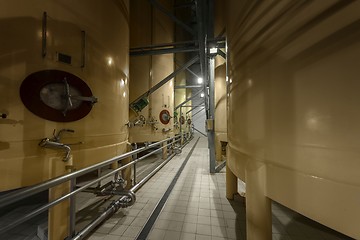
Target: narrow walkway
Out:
[198,210]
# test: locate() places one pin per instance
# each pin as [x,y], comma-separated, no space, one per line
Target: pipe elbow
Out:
[67,152]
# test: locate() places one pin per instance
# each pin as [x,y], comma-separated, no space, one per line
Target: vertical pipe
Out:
[211,132]
[134,157]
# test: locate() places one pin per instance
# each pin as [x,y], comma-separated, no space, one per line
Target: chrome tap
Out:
[47,143]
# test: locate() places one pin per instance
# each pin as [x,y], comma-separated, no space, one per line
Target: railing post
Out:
[134,157]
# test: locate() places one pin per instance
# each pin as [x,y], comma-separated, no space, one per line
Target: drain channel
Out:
[155,214]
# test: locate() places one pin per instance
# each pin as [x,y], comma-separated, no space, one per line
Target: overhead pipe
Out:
[188,86]
[164,51]
[161,45]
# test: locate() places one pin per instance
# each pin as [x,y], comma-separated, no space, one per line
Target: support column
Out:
[164,151]
[211,117]
[258,206]
[126,173]
[231,184]
[58,222]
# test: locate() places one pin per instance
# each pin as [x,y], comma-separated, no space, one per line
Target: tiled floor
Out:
[197,208]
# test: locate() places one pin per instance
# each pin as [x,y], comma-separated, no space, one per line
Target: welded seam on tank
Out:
[155,214]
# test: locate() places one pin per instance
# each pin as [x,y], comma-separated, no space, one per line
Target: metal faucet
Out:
[55,143]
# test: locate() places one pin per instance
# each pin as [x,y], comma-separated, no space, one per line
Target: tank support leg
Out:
[164,151]
[58,223]
[126,173]
[258,206]
[231,184]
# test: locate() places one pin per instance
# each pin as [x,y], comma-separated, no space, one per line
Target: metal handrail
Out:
[29,191]
[23,193]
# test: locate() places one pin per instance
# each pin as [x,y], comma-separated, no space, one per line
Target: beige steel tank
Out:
[179,97]
[220,85]
[293,110]
[220,112]
[86,39]
[150,26]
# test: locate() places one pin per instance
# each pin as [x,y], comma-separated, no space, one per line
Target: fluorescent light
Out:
[213,50]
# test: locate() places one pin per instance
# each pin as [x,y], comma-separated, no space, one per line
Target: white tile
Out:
[190,218]
[132,231]
[138,222]
[218,238]
[105,228]
[204,212]
[172,235]
[118,230]
[189,227]
[161,224]
[97,236]
[203,229]
[214,221]
[113,237]
[203,220]
[187,236]
[175,226]
[218,231]
[156,234]
[202,237]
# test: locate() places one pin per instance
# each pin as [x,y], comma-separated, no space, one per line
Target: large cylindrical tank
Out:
[87,39]
[220,112]
[149,26]
[293,109]
[220,85]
